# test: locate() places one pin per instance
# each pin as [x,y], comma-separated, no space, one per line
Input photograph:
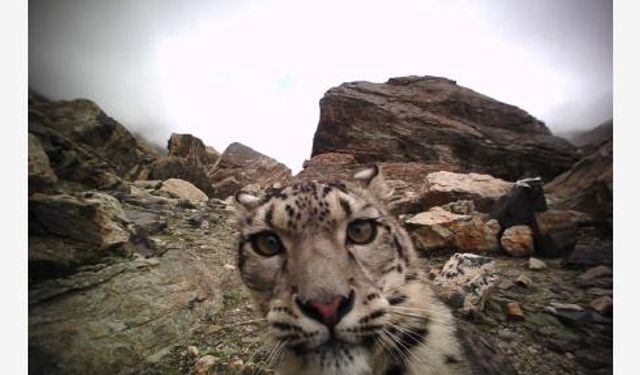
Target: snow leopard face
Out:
[334,275]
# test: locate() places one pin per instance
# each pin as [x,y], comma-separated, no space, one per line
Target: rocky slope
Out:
[434,121]
[131,253]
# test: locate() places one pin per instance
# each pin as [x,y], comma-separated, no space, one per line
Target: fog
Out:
[254,71]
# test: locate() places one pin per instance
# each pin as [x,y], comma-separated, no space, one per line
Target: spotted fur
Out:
[393,324]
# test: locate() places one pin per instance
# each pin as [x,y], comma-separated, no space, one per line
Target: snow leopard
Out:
[339,283]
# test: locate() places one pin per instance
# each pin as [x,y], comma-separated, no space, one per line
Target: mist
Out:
[254,71]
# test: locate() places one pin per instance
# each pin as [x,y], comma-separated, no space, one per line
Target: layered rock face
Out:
[432,120]
[240,165]
[587,186]
[84,144]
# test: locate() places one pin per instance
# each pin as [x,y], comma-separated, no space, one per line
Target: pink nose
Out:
[328,313]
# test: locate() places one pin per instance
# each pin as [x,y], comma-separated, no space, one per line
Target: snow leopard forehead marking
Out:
[311,206]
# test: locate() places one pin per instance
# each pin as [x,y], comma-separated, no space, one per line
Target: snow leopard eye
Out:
[361,232]
[266,244]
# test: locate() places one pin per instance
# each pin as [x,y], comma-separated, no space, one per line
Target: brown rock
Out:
[557,232]
[517,241]
[94,218]
[79,131]
[41,176]
[205,365]
[433,120]
[587,186]
[168,167]
[603,305]
[524,280]
[536,264]
[239,165]
[441,229]
[591,276]
[514,312]
[444,187]
[192,149]
[184,190]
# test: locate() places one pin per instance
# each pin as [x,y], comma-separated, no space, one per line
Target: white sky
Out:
[254,71]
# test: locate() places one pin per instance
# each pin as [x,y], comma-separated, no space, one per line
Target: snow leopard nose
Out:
[327,313]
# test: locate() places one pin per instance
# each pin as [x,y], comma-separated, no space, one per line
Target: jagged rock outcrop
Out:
[433,120]
[587,186]
[192,149]
[239,166]
[41,176]
[84,144]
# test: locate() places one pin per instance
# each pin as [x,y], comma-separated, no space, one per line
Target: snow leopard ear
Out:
[372,179]
[247,200]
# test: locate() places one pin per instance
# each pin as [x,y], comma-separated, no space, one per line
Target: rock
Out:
[463,207]
[147,184]
[597,277]
[566,306]
[439,229]
[109,321]
[149,220]
[595,273]
[467,281]
[592,359]
[93,217]
[168,167]
[82,140]
[205,365]
[591,140]
[557,232]
[445,187]
[587,186]
[184,190]
[524,280]
[433,120]
[193,351]
[514,313]
[603,305]
[517,241]
[536,264]
[192,149]
[592,249]
[41,176]
[239,165]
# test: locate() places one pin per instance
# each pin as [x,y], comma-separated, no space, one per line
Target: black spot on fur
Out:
[346,207]
[268,217]
[399,248]
[397,299]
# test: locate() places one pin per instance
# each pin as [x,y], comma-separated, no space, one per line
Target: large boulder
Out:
[67,231]
[239,166]
[191,148]
[441,230]
[433,120]
[184,190]
[41,176]
[587,186]
[92,217]
[168,167]
[444,187]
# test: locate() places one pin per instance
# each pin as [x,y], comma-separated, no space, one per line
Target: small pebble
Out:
[524,280]
[514,313]
[536,264]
